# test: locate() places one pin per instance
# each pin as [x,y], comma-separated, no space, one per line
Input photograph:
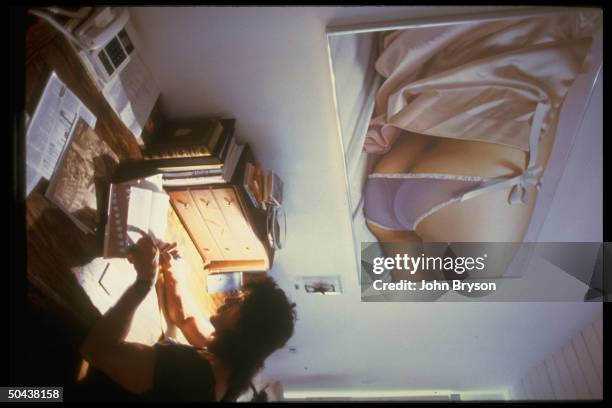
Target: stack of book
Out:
[188,138]
[263,187]
[190,152]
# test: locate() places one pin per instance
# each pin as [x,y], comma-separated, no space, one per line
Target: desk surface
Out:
[54,243]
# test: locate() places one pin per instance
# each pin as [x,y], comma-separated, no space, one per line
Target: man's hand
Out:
[169,252]
[172,264]
[144,255]
[174,269]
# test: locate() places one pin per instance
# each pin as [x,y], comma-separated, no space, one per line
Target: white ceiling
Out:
[268,68]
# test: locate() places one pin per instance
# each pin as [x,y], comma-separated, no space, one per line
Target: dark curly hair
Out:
[265,323]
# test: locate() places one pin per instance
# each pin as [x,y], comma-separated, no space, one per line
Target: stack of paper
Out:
[105,280]
[49,129]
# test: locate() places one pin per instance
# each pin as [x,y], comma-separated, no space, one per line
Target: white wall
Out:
[268,68]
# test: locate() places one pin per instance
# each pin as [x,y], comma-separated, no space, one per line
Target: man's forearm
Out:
[194,331]
[184,313]
[176,304]
[114,326]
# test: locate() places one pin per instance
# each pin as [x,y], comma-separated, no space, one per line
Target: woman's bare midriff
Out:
[485,218]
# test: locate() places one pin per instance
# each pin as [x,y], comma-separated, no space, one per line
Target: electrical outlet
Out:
[324,285]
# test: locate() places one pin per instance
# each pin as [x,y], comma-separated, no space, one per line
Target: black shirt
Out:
[181,375]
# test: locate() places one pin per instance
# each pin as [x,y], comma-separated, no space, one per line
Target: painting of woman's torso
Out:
[463,125]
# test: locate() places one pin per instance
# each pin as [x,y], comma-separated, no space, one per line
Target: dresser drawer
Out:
[219,227]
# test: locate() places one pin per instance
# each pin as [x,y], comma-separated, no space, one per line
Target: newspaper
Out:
[132,95]
[49,129]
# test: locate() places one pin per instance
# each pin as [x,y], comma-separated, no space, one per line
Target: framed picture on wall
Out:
[458,129]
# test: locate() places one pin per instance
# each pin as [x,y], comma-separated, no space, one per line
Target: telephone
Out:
[108,40]
[107,45]
[100,28]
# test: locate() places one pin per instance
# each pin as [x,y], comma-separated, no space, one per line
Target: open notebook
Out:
[135,205]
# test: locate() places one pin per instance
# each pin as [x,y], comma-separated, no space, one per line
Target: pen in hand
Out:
[162,247]
[158,253]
